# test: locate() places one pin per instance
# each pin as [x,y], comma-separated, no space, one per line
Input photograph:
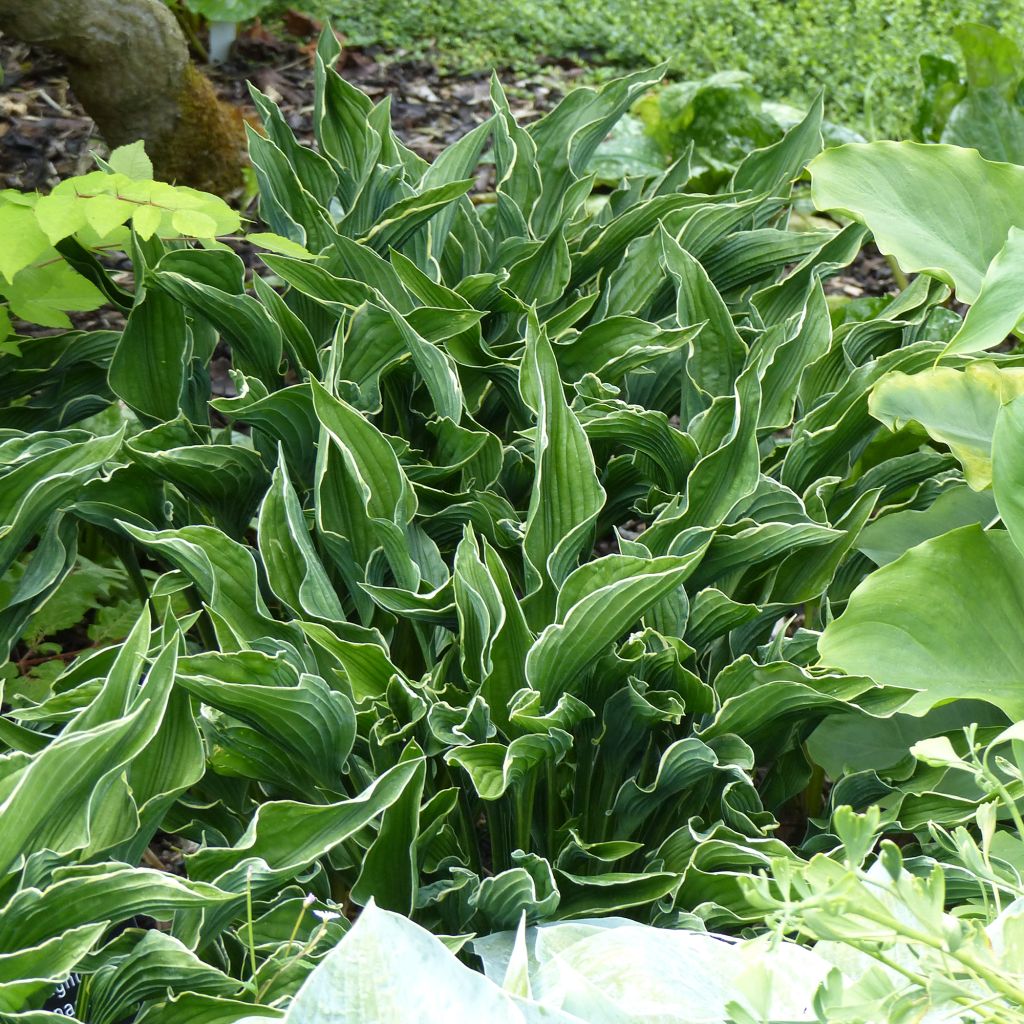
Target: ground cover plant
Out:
[523,592]
[864,52]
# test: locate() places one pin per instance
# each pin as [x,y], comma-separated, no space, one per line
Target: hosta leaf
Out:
[617,345]
[389,873]
[529,888]
[351,983]
[32,970]
[998,307]
[567,137]
[597,604]
[107,892]
[587,895]
[730,471]
[387,493]
[770,170]
[283,417]
[157,963]
[566,496]
[399,222]
[361,654]
[959,643]
[495,637]
[957,407]
[889,536]
[285,836]
[223,572]
[760,702]
[938,209]
[225,480]
[148,367]
[313,723]
[48,803]
[494,767]
[54,557]
[434,366]
[294,571]
[718,352]
[211,284]
[784,361]
[1008,469]
[36,486]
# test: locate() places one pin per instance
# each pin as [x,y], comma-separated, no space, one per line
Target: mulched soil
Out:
[46,136]
[869,274]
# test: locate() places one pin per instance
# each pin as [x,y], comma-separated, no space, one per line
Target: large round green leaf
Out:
[944,619]
[941,210]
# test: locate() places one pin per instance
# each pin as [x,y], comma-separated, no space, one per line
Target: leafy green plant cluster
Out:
[494,591]
[863,52]
[722,117]
[49,264]
[876,941]
[979,108]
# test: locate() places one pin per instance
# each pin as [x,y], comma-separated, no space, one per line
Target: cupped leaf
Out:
[957,407]
[923,622]
[940,210]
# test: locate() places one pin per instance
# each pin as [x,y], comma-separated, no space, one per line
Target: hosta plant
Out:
[490,591]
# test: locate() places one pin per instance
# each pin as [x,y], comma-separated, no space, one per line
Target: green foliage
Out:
[498,595]
[980,108]
[877,942]
[722,118]
[864,53]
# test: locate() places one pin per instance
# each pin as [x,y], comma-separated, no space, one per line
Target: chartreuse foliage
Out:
[50,262]
[397,643]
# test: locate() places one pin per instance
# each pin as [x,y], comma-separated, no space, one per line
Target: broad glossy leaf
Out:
[922,622]
[938,209]
[999,306]
[358,981]
[889,536]
[1008,468]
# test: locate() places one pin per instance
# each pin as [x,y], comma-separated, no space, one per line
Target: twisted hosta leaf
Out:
[148,367]
[597,603]
[566,496]
[294,570]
